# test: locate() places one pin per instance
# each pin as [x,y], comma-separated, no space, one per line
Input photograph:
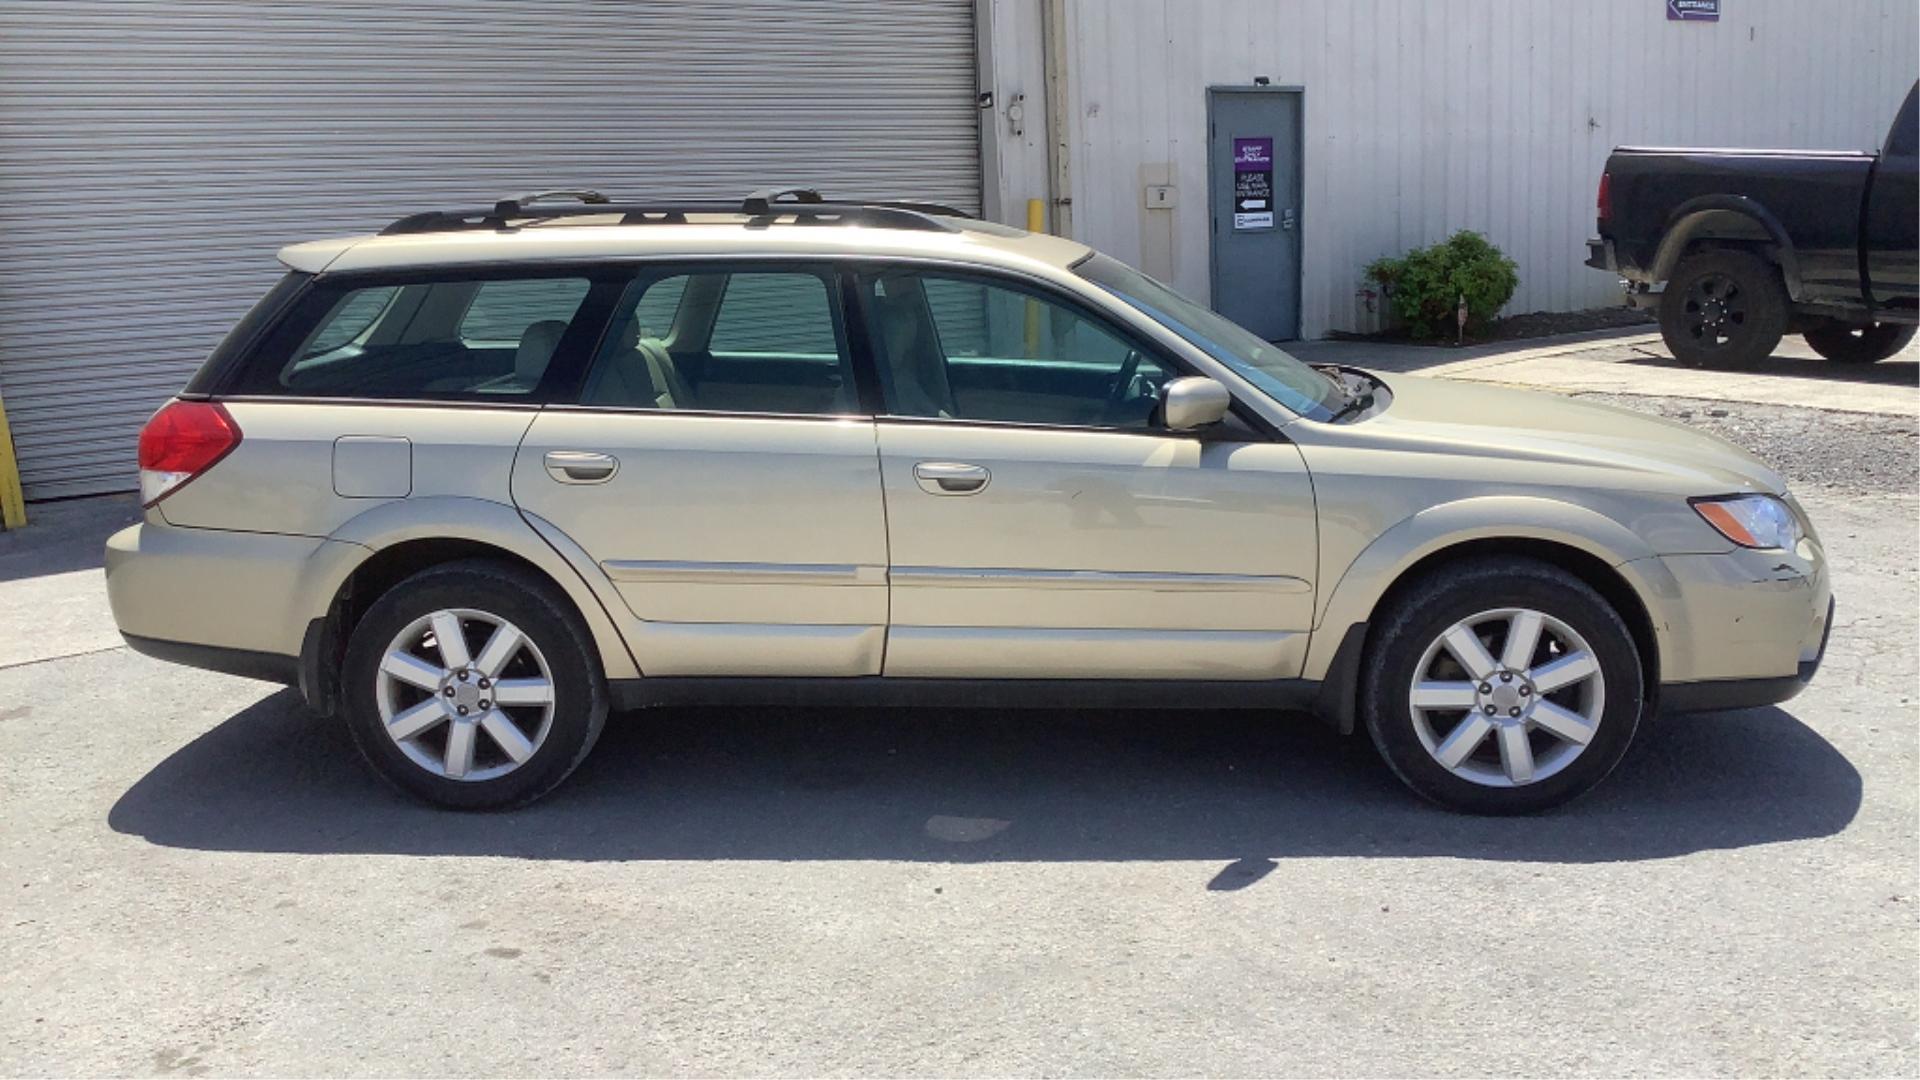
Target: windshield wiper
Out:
[1358,392]
[1357,403]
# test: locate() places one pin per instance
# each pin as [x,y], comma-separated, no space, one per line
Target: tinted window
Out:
[353,317]
[971,349]
[775,313]
[457,339]
[750,341]
[502,310]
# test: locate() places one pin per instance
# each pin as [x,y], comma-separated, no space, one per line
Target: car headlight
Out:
[1754,521]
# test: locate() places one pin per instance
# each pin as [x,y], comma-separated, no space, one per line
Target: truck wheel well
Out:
[326,642]
[1590,569]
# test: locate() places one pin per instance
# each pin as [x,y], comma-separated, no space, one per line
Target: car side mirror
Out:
[1192,402]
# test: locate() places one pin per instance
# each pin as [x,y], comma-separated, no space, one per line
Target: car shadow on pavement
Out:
[986,786]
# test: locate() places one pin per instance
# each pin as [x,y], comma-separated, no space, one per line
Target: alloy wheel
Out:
[1716,310]
[1507,697]
[463,714]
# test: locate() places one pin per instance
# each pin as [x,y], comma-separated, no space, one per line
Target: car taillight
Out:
[183,440]
[1603,202]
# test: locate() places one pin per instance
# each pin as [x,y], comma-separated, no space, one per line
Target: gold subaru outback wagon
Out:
[478,481]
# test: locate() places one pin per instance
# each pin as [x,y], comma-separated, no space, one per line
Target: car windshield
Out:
[1283,378]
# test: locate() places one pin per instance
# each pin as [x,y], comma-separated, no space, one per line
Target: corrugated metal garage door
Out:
[154,155]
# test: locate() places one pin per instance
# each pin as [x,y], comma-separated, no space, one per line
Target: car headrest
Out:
[537,344]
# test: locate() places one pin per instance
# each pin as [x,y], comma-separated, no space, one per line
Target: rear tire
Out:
[1551,714]
[1723,309]
[493,721]
[1860,344]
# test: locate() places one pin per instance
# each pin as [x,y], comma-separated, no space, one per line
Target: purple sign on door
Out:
[1253,183]
[1253,155]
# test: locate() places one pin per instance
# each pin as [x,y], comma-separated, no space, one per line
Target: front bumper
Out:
[1743,628]
[1711,694]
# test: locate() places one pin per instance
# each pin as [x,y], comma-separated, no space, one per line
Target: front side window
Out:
[967,348]
[1288,381]
[747,341]
[439,339]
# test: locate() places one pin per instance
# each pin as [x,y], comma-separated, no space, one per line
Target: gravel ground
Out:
[1853,452]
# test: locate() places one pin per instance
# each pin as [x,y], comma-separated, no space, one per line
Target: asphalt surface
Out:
[200,879]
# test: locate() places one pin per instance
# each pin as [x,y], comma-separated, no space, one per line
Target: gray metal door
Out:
[1253,165]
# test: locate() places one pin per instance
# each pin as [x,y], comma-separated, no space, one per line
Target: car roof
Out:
[583,237]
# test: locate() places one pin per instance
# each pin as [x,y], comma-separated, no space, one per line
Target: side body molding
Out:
[455,517]
[1358,587]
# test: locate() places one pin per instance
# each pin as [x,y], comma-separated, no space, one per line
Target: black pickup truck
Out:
[1754,244]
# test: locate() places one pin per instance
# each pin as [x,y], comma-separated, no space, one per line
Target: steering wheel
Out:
[1122,383]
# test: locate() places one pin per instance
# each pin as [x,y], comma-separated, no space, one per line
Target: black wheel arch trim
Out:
[1691,217]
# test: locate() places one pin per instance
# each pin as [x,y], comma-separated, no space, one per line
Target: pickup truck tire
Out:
[1723,309]
[1860,344]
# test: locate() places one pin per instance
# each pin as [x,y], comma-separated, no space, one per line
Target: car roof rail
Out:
[760,208]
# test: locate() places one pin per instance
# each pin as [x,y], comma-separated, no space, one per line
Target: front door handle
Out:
[951,478]
[581,466]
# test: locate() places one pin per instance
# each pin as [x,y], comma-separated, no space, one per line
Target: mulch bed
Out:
[1516,327]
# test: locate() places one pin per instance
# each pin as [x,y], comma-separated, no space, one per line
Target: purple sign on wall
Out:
[1253,183]
[1693,10]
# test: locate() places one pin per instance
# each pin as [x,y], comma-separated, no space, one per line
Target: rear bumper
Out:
[268,667]
[1600,254]
[226,601]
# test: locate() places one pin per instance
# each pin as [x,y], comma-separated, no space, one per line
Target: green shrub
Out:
[1426,284]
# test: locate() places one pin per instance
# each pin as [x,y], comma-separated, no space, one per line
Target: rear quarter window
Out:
[462,339]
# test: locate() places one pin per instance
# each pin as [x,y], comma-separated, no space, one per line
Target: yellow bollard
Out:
[13,505]
[1036,222]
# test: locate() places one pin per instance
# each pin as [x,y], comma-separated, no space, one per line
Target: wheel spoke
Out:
[1465,646]
[412,670]
[499,649]
[523,692]
[416,720]
[1463,741]
[503,732]
[459,757]
[1565,723]
[1443,695]
[1516,754]
[1523,637]
[451,639]
[1564,672]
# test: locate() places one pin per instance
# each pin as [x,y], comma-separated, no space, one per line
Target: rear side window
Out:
[486,340]
[501,311]
[726,340]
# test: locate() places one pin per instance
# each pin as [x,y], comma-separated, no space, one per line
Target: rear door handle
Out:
[951,478]
[581,466]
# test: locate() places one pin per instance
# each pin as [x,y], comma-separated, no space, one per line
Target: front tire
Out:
[474,686]
[1501,686]
[1723,309]
[1859,344]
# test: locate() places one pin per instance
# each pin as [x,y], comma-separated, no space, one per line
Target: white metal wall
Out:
[1423,117]
[153,155]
